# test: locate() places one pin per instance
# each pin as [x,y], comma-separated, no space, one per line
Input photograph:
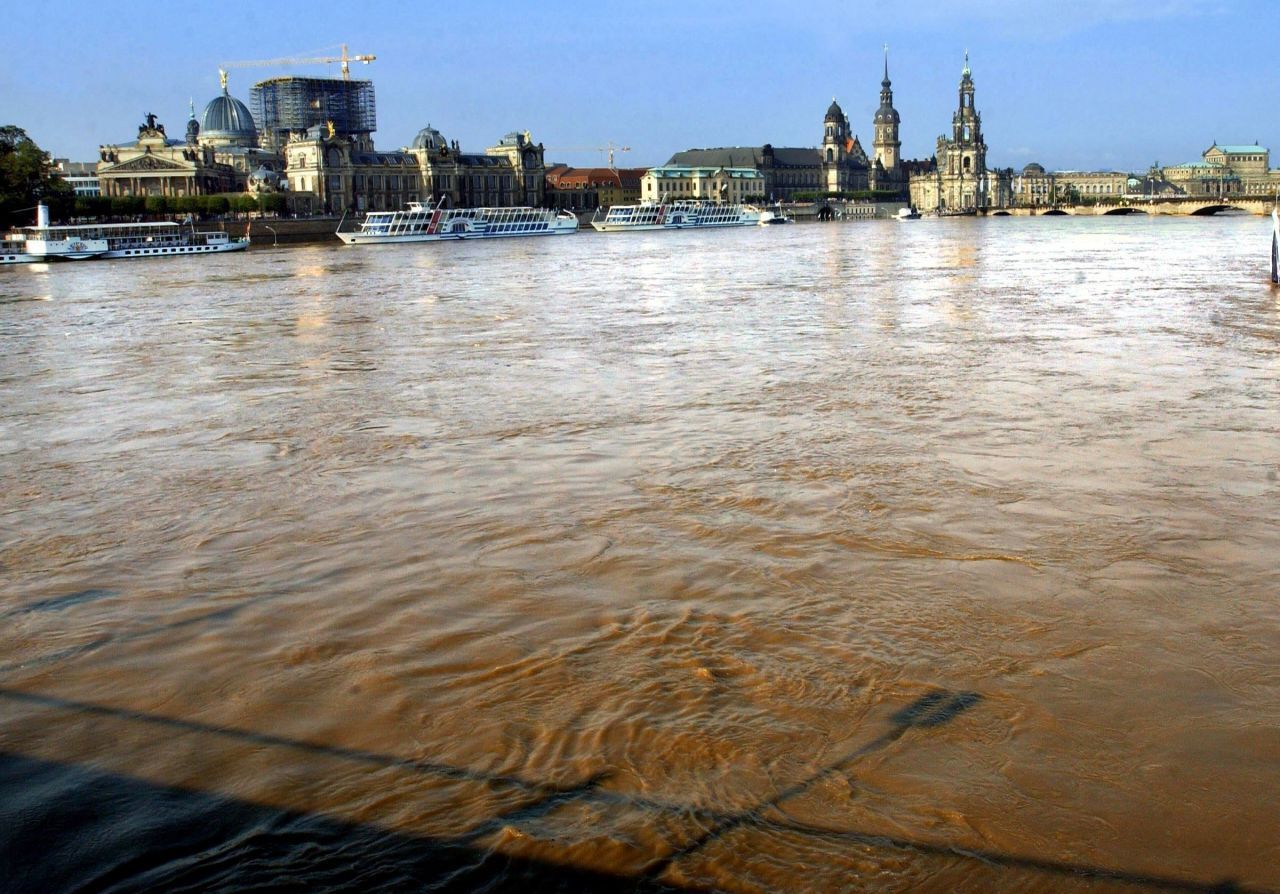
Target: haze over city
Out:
[1096,85]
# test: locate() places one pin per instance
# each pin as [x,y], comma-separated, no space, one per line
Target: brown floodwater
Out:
[939,556]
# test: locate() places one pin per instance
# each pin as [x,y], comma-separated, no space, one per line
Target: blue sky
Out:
[1088,85]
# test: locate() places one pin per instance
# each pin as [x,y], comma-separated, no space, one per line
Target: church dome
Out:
[1033,169]
[227,120]
[887,115]
[429,138]
[834,112]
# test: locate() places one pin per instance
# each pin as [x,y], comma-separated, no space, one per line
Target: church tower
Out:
[835,134]
[888,148]
[836,143]
[969,152]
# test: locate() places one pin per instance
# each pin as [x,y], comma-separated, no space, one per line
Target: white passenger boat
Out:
[77,242]
[679,215]
[421,222]
[771,217]
[13,250]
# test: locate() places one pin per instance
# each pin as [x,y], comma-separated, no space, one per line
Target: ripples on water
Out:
[936,556]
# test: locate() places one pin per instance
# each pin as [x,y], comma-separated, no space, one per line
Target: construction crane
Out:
[610,148]
[345,59]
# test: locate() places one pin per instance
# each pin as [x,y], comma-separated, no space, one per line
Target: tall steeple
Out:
[887,146]
[966,123]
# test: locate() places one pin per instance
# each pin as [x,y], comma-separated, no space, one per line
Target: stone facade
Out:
[1036,187]
[158,166]
[838,165]
[332,173]
[723,184]
[960,182]
[511,173]
[585,189]
[844,163]
[1223,171]
[1226,171]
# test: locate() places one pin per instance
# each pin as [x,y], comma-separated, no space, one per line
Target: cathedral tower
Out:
[888,148]
[968,152]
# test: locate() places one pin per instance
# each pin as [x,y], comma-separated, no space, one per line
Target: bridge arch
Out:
[1056,212]
[1123,211]
[1213,209]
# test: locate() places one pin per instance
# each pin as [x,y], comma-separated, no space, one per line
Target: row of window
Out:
[167,251]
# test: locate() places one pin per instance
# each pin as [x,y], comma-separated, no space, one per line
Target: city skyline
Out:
[1112,85]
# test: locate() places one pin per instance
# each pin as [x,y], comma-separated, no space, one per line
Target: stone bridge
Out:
[1180,205]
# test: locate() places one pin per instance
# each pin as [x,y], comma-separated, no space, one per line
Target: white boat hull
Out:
[173,250]
[420,222]
[79,242]
[603,227]
[680,215]
[358,238]
[17,258]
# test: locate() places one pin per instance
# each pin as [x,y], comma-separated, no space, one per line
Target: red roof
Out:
[586,178]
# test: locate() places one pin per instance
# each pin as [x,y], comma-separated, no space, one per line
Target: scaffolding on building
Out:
[286,105]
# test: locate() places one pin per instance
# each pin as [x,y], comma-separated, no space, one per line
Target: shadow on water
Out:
[71,827]
[100,831]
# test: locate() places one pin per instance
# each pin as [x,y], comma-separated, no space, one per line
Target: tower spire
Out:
[886,63]
[966,73]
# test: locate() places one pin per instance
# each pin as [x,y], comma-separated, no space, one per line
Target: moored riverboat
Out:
[78,242]
[13,250]
[774,216]
[679,215]
[425,222]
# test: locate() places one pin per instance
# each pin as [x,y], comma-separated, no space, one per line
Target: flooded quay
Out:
[934,556]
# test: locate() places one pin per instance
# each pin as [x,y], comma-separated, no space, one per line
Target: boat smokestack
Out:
[42,215]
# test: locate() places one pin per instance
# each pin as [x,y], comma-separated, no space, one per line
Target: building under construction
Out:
[286,105]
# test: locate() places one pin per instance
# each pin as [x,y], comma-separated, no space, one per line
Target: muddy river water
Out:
[932,556]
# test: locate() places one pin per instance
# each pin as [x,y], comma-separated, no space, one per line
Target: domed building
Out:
[510,173]
[227,121]
[155,165]
[227,126]
[429,139]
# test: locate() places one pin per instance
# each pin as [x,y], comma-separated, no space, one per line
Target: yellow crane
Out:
[610,148]
[345,59]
